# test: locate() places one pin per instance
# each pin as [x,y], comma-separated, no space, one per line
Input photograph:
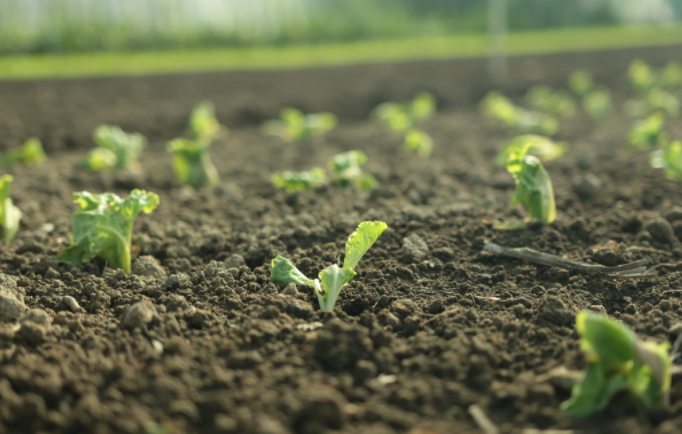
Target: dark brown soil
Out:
[411,344]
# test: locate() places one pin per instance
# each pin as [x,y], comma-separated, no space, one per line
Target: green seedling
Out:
[617,361]
[655,100]
[580,83]
[542,147]
[10,215]
[558,103]
[648,133]
[104,227]
[670,76]
[533,184]
[295,126]
[30,153]
[117,150]
[418,142]
[669,159]
[640,76]
[500,108]
[598,104]
[192,163]
[333,278]
[401,117]
[298,181]
[345,171]
[203,124]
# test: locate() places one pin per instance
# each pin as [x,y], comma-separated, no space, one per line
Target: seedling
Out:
[648,133]
[332,279]
[104,227]
[533,184]
[192,163]
[670,160]
[117,150]
[345,170]
[10,216]
[618,361]
[655,100]
[418,142]
[30,153]
[542,147]
[580,83]
[295,126]
[558,103]
[640,76]
[598,104]
[298,181]
[670,76]
[401,117]
[497,106]
[203,124]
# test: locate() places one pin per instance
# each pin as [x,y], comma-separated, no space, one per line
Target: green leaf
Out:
[332,281]
[541,147]
[543,99]
[360,241]
[345,171]
[295,126]
[648,133]
[418,142]
[580,83]
[99,159]
[423,106]
[598,104]
[283,272]
[640,76]
[10,215]
[125,146]
[203,124]
[611,341]
[297,181]
[104,225]
[533,189]
[669,159]
[192,163]
[30,153]
[593,392]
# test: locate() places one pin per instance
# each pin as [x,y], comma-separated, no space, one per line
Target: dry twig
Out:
[482,420]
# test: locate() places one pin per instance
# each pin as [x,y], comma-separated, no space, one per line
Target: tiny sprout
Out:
[117,149]
[298,181]
[670,160]
[598,104]
[640,76]
[345,170]
[203,124]
[401,117]
[30,153]
[418,142]
[558,103]
[294,126]
[580,83]
[648,133]
[10,215]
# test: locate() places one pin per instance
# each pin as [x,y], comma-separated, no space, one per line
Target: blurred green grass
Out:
[289,57]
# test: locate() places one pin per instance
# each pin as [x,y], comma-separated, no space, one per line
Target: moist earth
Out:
[199,338]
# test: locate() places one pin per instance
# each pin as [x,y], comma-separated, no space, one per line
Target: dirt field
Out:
[412,342]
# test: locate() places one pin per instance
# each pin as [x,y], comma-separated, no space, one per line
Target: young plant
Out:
[10,216]
[558,103]
[298,181]
[669,159]
[418,142]
[295,126]
[618,361]
[640,76]
[499,107]
[30,153]
[542,147]
[345,170]
[192,163]
[203,124]
[117,150]
[401,117]
[598,104]
[648,133]
[533,184]
[580,83]
[670,76]
[104,227]
[655,100]
[333,278]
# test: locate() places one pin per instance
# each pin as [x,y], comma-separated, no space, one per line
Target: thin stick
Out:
[634,269]
[482,420]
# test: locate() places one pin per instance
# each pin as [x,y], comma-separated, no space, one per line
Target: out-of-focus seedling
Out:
[298,181]
[640,76]
[345,171]
[598,104]
[418,142]
[203,124]
[104,227]
[401,117]
[10,215]
[30,153]
[618,361]
[117,150]
[294,126]
[580,83]
[542,147]
[670,77]
[192,163]
[544,100]
[655,100]
[333,278]
[669,159]
[648,133]
[497,106]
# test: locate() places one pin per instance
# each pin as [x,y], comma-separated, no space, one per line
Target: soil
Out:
[210,344]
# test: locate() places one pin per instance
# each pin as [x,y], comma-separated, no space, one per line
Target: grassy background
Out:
[169,62]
